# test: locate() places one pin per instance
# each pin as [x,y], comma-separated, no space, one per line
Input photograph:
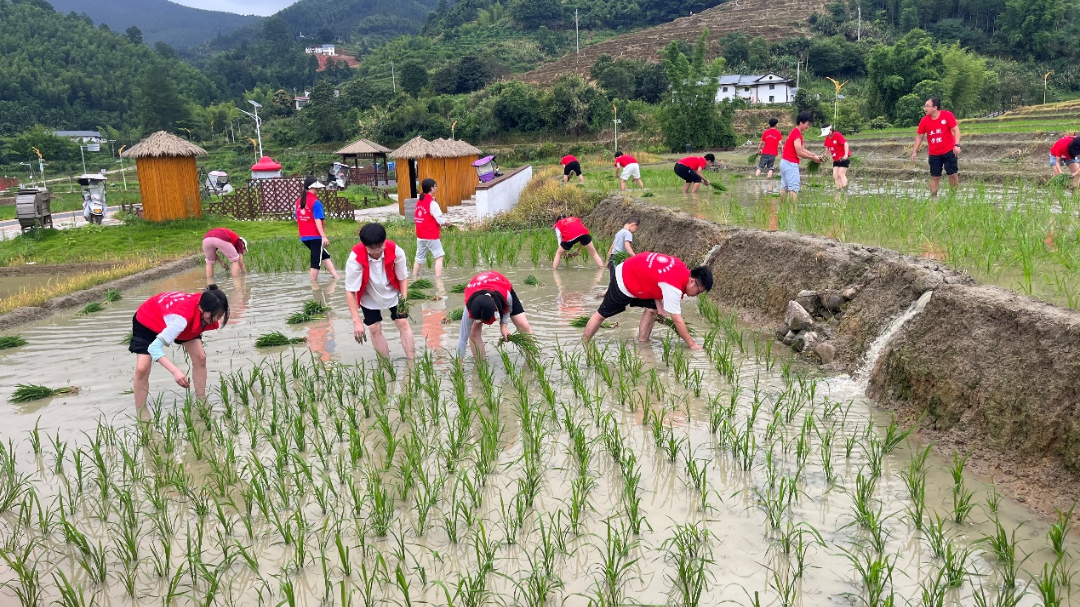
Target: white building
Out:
[323,49]
[81,136]
[766,89]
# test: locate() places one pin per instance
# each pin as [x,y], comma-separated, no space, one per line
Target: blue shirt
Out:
[317,213]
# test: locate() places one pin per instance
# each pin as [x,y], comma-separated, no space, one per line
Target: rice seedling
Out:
[690,554]
[619,257]
[615,564]
[1004,545]
[11,341]
[525,342]
[91,308]
[422,283]
[579,322]
[1050,581]
[961,496]
[276,339]
[1059,530]
[112,295]
[531,280]
[894,436]
[458,288]
[875,572]
[29,392]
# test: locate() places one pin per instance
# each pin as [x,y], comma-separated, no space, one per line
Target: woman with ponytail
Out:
[180,318]
[309,220]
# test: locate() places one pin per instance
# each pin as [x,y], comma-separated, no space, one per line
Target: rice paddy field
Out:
[616,474]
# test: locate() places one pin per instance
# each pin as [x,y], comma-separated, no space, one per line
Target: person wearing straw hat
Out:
[841,155]
[230,245]
[181,318]
[309,220]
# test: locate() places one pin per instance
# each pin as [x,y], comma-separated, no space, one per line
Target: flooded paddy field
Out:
[621,473]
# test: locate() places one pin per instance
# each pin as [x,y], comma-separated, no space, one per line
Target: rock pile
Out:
[810,321]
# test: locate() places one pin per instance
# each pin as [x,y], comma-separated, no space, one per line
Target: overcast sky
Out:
[243,7]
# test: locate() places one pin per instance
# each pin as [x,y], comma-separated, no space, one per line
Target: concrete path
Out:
[61,221]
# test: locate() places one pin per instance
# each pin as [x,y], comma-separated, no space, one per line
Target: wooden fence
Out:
[276,199]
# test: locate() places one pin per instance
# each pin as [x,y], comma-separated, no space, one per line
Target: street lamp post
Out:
[120,159]
[616,121]
[41,165]
[836,98]
[82,155]
[1045,77]
[258,123]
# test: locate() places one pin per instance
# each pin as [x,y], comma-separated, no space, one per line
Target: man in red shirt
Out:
[769,149]
[790,180]
[630,170]
[942,142]
[690,168]
[841,156]
[570,165]
[1064,152]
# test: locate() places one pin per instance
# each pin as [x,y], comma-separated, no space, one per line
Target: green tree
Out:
[52,148]
[134,34]
[895,70]
[1031,27]
[964,80]
[689,113]
[517,108]
[531,14]
[414,77]
[161,107]
[324,114]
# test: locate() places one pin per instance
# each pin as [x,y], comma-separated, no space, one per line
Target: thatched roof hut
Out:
[168,177]
[367,149]
[446,161]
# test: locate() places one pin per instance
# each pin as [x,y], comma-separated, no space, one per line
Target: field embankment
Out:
[993,372]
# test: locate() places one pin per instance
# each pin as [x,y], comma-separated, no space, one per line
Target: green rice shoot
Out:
[315,308]
[91,308]
[753,158]
[127,339]
[422,283]
[717,186]
[11,341]
[531,280]
[403,309]
[417,295]
[813,167]
[458,288]
[455,314]
[113,295]
[526,343]
[581,321]
[277,338]
[619,257]
[29,392]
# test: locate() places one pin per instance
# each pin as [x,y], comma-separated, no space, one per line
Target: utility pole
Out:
[858,30]
[1045,76]
[41,166]
[577,32]
[798,66]
[393,79]
[616,110]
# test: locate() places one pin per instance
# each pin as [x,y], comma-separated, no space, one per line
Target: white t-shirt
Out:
[672,295]
[378,295]
[436,212]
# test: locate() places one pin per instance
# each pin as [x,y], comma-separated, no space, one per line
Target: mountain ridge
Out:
[159,20]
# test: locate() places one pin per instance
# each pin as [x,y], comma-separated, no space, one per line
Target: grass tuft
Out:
[28,392]
[11,341]
[455,315]
[277,338]
[113,295]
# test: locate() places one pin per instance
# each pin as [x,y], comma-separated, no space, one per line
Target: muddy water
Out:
[84,351]
[12,285]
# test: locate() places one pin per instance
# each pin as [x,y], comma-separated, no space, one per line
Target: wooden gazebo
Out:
[168,177]
[369,150]
[449,163]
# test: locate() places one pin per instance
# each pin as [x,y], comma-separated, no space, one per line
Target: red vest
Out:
[152,313]
[388,258]
[427,227]
[489,281]
[643,273]
[305,220]
[570,228]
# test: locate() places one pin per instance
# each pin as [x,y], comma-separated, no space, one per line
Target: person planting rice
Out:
[623,240]
[570,165]
[1065,152]
[942,143]
[376,276]
[769,149]
[489,295]
[231,246]
[689,169]
[790,181]
[630,170]
[309,220]
[841,155]
[656,282]
[569,231]
[181,318]
[429,220]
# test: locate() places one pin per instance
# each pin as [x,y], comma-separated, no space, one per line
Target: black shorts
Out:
[583,240]
[943,161]
[572,167]
[142,336]
[688,175]
[843,164]
[318,253]
[615,301]
[374,317]
[766,162]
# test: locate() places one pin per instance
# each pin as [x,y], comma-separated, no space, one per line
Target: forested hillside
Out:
[158,20]
[62,72]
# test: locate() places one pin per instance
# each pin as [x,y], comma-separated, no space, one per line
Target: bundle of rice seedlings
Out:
[717,187]
[667,322]
[752,160]
[91,308]
[581,321]
[422,283]
[454,315]
[127,339]
[417,294]
[113,295]
[526,343]
[277,338]
[11,341]
[647,194]
[403,309]
[813,167]
[297,318]
[314,308]
[619,257]
[28,392]
[1059,181]
[458,288]
[531,280]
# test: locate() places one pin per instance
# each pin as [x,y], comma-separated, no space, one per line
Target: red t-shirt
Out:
[643,273]
[489,281]
[939,137]
[568,159]
[695,163]
[789,145]
[1060,149]
[228,236]
[570,228]
[624,160]
[771,138]
[835,144]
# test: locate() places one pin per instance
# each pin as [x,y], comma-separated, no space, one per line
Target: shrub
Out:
[541,203]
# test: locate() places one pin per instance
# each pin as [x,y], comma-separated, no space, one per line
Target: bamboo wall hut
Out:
[168,177]
[449,163]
